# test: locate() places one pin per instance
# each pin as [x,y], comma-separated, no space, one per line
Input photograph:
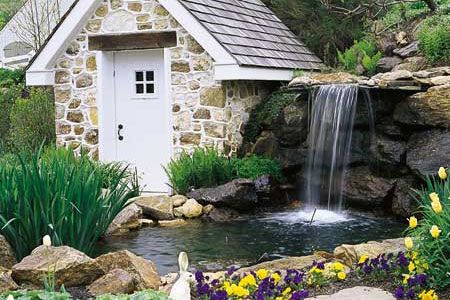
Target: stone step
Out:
[357,293]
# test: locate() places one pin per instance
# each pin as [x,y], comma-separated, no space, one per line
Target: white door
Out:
[142,115]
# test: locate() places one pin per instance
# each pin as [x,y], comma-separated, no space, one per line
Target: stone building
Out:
[140,81]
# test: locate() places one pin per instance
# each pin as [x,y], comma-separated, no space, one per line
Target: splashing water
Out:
[331,128]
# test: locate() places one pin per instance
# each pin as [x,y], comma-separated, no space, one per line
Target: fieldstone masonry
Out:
[205,112]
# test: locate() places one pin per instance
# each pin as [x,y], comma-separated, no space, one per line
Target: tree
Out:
[34,22]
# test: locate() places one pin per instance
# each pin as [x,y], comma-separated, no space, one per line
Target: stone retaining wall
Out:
[205,111]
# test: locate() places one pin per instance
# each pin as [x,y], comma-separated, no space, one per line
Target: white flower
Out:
[46,241]
[10,297]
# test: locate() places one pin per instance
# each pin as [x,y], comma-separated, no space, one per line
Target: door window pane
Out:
[150,76]
[145,82]
[139,76]
[139,88]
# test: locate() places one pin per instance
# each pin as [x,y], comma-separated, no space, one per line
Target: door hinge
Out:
[114,73]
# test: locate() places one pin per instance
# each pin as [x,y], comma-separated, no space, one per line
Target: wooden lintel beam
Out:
[132,41]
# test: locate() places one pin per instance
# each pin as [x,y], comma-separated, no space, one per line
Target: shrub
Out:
[208,168]
[253,167]
[32,120]
[56,193]
[43,295]
[202,168]
[362,52]
[7,98]
[9,78]
[431,235]
[434,38]
[143,295]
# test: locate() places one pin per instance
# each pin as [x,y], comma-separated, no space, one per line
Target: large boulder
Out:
[403,203]
[350,254]
[269,191]
[221,215]
[71,267]
[388,154]
[363,189]
[117,281]
[298,263]
[386,64]
[266,145]
[427,151]
[239,194]
[143,271]
[126,220]
[408,51]
[6,281]
[190,209]
[6,253]
[431,108]
[412,64]
[156,207]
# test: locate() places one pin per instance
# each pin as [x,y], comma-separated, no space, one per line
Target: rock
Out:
[147,223]
[357,293]
[397,75]
[408,51]
[350,254]
[6,253]
[268,191]
[337,77]
[221,215]
[156,207]
[173,223]
[126,220]
[6,281]
[71,267]
[285,263]
[143,271]
[403,204]
[412,64]
[433,72]
[365,190]
[303,81]
[441,80]
[431,108]
[239,194]
[386,64]
[291,128]
[120,20]
[427,151]
[401,38]
[388,154]
[179,200]
[266,145]
[116,281]
[208,209]
[191,209]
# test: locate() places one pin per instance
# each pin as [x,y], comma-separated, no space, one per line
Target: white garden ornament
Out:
[181,290]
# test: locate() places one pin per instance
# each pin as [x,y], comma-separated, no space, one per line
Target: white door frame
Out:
[107,113]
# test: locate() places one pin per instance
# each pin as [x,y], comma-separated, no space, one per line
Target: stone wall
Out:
[205,111]
[411,137]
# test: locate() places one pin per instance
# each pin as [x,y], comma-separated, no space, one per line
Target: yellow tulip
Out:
[435,231]
[411,266]
[434,197]
[437,207]
[363,259]
[412,222]
[409,243]
[262,273]
[342,275]
[47,241]
[442,173]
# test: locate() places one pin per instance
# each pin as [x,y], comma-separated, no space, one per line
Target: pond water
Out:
[216,246]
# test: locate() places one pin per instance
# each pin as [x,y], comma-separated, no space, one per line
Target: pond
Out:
[216,246]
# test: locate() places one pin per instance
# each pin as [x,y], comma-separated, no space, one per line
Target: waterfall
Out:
[333,109]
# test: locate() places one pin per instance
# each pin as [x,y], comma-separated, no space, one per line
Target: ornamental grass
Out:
[54,192]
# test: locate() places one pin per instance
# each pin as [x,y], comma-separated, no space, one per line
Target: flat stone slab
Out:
[357,293]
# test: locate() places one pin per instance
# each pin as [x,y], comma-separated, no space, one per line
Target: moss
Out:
[266,112]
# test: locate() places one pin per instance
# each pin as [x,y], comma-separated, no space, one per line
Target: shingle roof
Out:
[252,33]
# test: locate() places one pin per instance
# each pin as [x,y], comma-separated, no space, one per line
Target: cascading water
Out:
[331,128]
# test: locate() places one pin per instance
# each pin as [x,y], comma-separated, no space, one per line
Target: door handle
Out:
[120,127]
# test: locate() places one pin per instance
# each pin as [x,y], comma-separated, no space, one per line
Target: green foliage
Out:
[56,193]
[254,167]
[32,120]
[364,52]
[434,37]
[208,168]
[11,77]
[265,112]
[322,30]
[202,168]
[436,251]
[7,98]
[36,295]
[144,295]
[299,72]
